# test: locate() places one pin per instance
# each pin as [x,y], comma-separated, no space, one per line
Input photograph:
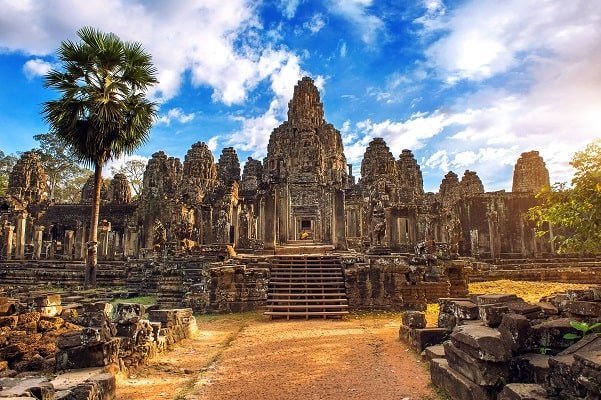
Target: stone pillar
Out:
[551,239]
[80,244]
[113,244]
[339,228]
[69,245]
[20,245]
[130,242]
[270,220]
[38,237]
[8,241]
[103,240]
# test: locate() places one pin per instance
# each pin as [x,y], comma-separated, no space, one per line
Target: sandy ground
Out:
[246,356]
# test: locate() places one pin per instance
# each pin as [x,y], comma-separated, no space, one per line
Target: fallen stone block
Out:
[414,319]
[129,313]
[69,339]
[492,314]
[562,380]
[481,342]
[516,333]
[484,299]
[431,352]
[98,355]
[446,305]
[550,334]
[465,310]
[523,391]
[447,321]
[583,308]
[9,321]
[48,300]
[483,373]
[37,388]
[454,384]
[529,368]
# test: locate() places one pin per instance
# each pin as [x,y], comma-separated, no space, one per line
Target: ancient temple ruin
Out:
[303,191]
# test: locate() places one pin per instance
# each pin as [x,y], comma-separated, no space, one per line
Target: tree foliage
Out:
[61,167]
[7,162]
[134,170]
[102,112]
[574,209]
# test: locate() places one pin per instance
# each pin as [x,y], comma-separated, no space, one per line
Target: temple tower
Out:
[305,174]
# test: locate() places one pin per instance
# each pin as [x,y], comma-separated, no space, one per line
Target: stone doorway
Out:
[305,228]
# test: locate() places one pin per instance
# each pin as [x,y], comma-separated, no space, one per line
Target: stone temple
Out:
[302,198]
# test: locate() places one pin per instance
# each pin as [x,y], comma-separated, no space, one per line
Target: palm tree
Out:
[103,112]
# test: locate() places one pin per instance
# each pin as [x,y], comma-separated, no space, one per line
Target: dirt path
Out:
[248,357]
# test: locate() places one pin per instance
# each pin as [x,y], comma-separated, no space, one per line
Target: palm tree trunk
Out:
[92,259]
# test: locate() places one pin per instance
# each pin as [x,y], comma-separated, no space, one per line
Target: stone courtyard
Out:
[295,235]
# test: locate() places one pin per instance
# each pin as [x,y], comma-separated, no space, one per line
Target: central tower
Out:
[305,175]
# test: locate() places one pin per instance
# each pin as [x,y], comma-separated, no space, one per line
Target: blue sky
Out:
[463,84]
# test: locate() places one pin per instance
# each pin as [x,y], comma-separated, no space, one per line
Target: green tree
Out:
[7,162]
[574,209]
[134,170]
[60,164]
[102,112]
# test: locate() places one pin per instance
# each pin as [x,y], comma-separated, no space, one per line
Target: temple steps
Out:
[306,286]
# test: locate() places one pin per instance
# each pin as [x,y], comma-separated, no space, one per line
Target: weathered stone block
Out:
[454,384]
[447,321]
[431,352]
[492,314]
[129,313]
[465,310]
[36,388]
[99,306]
[446,304]
[69,339]
[9,321]
[529,368]
[495,298]
[414,319]
[97,355]
[481,342]
[523,391]
[29,317]
[550,333]
[95,334]
[48,300]
[483,373]
[50,323]
[516,333]
[584,308]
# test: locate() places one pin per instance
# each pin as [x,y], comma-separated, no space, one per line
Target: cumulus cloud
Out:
[357,13]
[36,67]
[289,7]
[212,40]
[174,114]
[315,24]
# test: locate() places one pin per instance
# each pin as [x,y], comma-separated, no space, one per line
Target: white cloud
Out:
[343,49]
[289,7]
[212,143]
[488,37]
[315,24]
[357,13]
[174,114]
[215,41]
[115,164]
[36,67]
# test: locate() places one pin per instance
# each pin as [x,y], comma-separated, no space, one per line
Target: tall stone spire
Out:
[530,173]
[305,106]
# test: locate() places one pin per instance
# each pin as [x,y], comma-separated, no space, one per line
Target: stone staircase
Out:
[306,286]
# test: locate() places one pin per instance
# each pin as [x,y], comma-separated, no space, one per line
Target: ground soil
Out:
[247,356]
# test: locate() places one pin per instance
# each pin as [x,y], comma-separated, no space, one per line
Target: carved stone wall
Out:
[228,166]
[530,173]
[28,181]
[411,181]
[470,183]
[87,192]
[119,190]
